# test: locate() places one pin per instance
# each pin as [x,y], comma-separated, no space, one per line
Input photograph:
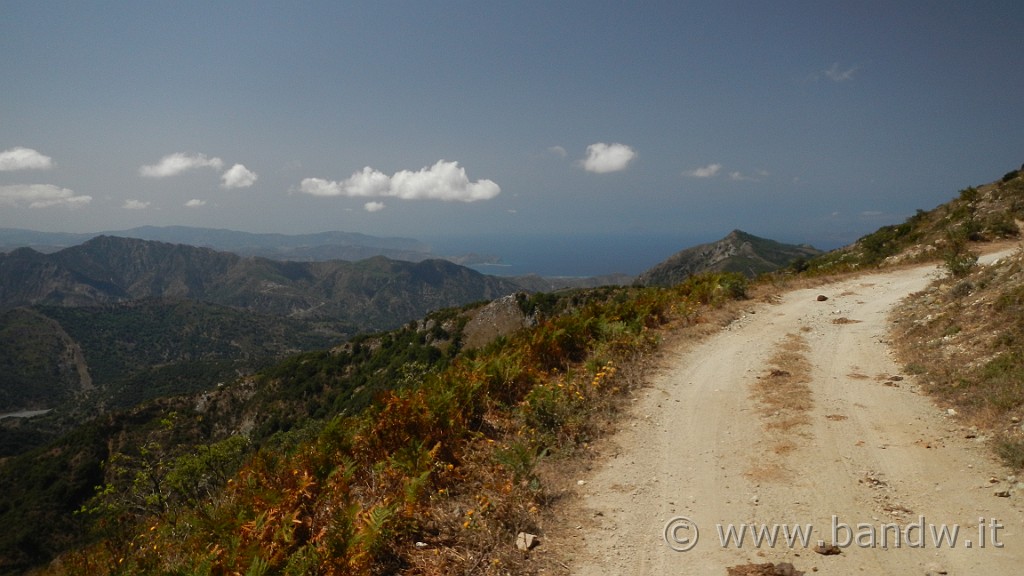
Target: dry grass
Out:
[964,340]
[845,320]
[784,401]
[764,569]
[782,391]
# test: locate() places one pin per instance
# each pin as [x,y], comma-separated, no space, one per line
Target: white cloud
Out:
[174,164]
[135,205]
[443,181]
[19,158]
[374,206]
[602,158]
[368,182]
[741,177]
[837,74]
[320,187]
[709,171]
[558,151]
[238,176]
[41,196]
[195,203]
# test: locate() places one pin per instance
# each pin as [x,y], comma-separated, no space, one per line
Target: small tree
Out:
[136,485]
[152,481]
[959,259]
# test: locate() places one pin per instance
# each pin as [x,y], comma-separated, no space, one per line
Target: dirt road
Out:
[858,456]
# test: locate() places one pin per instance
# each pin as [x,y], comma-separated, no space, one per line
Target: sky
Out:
[806,122]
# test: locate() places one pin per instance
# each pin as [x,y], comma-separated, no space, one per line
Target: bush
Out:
[714,289]
[1011,450]
[959,260]
[1002,226]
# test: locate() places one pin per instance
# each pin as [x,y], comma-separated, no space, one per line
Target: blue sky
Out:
[810,122]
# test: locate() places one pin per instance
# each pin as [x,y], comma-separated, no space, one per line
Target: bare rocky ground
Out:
[795,414]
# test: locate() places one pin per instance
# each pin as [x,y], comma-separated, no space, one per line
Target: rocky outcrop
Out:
[738,252]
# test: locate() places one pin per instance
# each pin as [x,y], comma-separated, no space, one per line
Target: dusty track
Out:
[871,451]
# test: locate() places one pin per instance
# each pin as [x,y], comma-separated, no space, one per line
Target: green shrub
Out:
[1011,450]
[714,288]
[1002,226]
[959,260]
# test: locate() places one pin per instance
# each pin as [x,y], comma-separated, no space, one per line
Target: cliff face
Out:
[737,252]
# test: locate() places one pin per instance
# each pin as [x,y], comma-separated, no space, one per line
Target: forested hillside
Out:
[116,321]
[339,461]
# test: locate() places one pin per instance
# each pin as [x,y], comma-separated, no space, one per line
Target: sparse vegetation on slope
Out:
[964,337]
[977,214]
[41,487]
[436,476]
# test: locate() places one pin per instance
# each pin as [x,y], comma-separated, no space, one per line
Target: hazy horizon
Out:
[546,254]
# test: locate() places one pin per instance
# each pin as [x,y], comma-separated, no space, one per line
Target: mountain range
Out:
[334,245]
[374,293]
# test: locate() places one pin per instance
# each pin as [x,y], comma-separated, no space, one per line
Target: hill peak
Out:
[738,251]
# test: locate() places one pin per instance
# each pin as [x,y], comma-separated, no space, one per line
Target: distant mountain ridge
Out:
[376,293]
[315,247]
[737,252]
[334,245]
